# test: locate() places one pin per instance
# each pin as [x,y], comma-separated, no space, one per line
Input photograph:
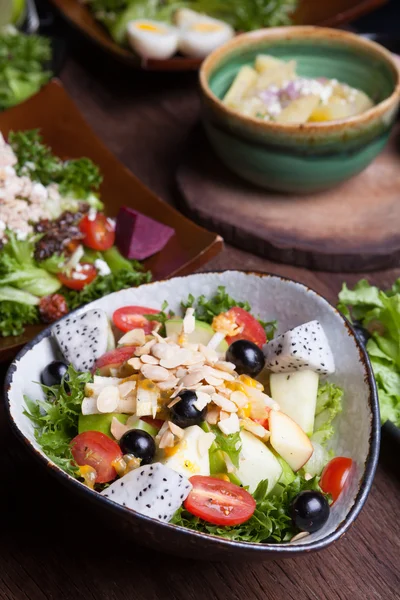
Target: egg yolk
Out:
[206,27]
[149,27]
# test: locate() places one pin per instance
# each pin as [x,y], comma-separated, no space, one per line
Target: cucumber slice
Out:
[202,333]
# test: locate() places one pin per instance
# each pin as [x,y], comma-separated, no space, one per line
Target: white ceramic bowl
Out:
[271,297]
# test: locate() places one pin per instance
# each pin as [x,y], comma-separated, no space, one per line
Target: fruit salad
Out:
[273,91]
[198,420]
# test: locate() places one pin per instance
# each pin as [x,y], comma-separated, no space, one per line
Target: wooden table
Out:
[51,548]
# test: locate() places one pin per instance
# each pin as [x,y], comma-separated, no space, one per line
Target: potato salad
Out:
[272,90]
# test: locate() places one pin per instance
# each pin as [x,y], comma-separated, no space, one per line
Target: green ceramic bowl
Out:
[305,157]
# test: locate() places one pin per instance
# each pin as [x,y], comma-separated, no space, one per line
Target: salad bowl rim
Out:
[285,548]
[307,32]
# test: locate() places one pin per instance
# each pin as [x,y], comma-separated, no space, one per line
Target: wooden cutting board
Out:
[353,227]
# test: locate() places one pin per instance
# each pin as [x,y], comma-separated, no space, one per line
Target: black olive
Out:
[247,357]
[184,413]
[310,511]
[362,334]
[140,444]
[53,373]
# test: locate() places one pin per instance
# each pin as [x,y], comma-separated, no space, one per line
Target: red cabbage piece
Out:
[137,236]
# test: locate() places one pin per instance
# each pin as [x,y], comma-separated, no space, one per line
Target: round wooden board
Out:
[353,227]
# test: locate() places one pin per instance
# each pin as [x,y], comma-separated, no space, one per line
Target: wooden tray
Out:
[310,12]
[65,130]
[353,227]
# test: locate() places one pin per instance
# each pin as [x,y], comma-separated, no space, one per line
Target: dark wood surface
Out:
[52,548]
[350,227]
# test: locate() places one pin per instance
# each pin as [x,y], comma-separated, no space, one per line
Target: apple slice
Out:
[289,440]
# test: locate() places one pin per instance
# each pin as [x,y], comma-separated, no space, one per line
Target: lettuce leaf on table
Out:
[379,313]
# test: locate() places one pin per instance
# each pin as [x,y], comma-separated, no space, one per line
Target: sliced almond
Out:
[181,372]
[148,359]
[167,440]
[209,354]
[255,428]
[239,398]
[135,363]
[224,403]
[206,389]
[135,337]
[213,380]
[174,401]
[202,400]
[220,374]
[127,405]
[178,389]
[189,322]
[223,365]
[126,388]
[177,360]
[308,476]
[224,415]
[212,416]
[177,431]
[230,425]
[145,349]
[107,400]
[193,378]
[194,359]
[118,429]
[154,372]
[300,536]
[169,384]
[162,350]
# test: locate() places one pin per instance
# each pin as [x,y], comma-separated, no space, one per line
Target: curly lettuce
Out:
[379,313]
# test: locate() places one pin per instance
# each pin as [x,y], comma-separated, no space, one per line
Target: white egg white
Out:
[201,36]
[153,39]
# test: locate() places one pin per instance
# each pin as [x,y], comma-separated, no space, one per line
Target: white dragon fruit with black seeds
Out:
[153,490]
[303,347]
[83,338]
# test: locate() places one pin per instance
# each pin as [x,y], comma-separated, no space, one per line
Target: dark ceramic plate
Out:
[310,12]
[271,297]
[66,131]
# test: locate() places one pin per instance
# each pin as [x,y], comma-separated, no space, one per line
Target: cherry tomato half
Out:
[77,280]
[99,232]
[97,450]
[114,358]
[131,317]
[219,502]
[335,475]
[252,329]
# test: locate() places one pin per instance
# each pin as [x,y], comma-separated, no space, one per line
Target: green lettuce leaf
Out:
[56,418]
[18,268]
[329,405]
[379,313]
[104,285]
[206,309]
[231,444]
[271,521]
[14,316]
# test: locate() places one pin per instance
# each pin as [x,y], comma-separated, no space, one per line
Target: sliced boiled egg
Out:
[152,39]
[200,35]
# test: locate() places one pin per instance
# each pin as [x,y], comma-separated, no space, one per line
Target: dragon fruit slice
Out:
[304,347]
[138,236]
[83,338]
[153,490]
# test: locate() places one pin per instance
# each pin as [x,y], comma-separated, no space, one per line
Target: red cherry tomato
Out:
[97,450]
[76,280]
[113,358]
[131,317]
[335,475]
[219,502]
[156,423]
[99,232]
[252,329]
